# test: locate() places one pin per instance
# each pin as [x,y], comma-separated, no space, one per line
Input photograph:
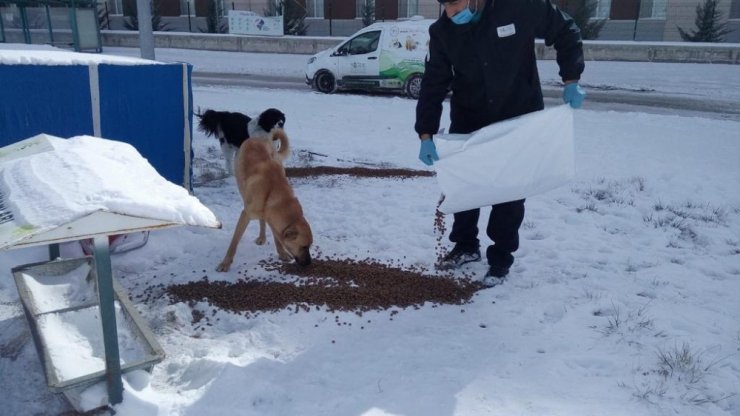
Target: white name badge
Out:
[504,31]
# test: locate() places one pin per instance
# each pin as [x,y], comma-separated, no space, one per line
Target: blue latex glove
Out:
[428,152]
[574,95]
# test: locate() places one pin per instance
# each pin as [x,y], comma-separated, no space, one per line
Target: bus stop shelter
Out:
[69,23]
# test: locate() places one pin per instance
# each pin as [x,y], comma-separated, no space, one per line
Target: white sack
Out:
[506,161]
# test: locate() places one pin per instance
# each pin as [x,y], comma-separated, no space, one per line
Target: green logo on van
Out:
[392,66]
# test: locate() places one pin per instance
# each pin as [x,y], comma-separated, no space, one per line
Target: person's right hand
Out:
[573,94]
[428,152]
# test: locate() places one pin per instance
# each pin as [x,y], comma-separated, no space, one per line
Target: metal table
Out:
[97,226]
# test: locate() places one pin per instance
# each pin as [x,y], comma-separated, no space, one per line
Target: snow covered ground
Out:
[622,301]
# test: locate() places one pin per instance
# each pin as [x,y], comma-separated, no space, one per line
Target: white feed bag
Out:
[506,161]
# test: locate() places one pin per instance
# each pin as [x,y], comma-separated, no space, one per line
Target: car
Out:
[383,56]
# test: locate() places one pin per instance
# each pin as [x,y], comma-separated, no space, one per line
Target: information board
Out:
[249,23]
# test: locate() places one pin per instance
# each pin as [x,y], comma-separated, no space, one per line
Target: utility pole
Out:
[146,34]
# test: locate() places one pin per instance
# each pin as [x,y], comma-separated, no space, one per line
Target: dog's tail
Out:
[284,150]
[206,123]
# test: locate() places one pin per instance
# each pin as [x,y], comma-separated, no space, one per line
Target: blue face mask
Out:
[465,16]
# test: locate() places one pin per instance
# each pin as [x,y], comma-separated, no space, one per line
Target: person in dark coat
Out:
[483,51]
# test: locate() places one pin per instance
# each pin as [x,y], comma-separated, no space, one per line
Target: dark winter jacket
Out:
[490,66]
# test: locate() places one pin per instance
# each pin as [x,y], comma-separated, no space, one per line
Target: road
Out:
[598,99]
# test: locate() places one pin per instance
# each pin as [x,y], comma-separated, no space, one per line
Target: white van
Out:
[382,56]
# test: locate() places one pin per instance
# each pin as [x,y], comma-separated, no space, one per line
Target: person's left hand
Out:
[574,95]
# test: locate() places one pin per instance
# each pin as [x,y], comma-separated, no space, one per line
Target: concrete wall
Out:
[645,30]
[594,50]
[322,27]
[223,42]
[655,52]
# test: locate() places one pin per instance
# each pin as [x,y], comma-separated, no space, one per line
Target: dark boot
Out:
[459,255]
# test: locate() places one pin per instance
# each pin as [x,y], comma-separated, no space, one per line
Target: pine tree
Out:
[709,28]
[103,16]
[368,12]
[213,21]
[581,12]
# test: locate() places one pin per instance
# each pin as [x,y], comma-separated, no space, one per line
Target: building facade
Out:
[639,20]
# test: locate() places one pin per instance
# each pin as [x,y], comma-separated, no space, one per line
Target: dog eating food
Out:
[269,198]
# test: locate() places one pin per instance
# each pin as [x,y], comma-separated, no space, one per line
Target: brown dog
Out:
[268,197]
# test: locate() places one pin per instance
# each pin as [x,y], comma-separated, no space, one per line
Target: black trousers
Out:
[503,229]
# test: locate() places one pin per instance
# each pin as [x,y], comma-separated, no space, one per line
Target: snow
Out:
[54,292]
[61,297]
[75,344]
[14,54]
[622,300]
[85,174]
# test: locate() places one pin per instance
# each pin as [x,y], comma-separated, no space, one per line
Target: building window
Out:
[386,9]
[735,9]
[652,9]
[625,10]
[200,8]
[314,8]
[339,9]
[186,7]
[602,9]
[408,8]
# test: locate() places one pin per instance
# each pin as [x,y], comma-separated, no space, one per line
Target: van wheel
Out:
[325,82]
[413,86]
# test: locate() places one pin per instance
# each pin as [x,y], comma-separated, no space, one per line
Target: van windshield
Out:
[361,44]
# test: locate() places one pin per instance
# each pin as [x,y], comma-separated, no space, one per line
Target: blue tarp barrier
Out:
[147,106]
[44,99]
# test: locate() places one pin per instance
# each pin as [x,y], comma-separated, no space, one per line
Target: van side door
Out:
[358,60]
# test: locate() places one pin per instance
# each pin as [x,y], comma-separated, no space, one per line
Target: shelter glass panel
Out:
[87,29]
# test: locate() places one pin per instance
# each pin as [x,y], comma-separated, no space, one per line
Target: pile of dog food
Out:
[333,284]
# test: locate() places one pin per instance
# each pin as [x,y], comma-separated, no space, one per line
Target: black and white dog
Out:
[232,129]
